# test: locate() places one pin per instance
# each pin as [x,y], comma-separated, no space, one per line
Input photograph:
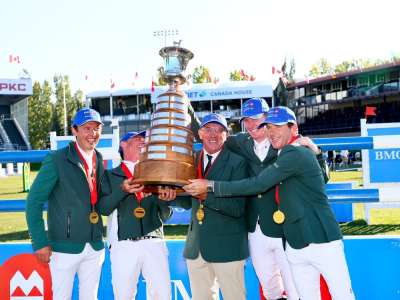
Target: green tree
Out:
[40,115]
[322,67]
[160,77]
[201,74]
[288,74]
[343,67]
[240,75]
[62,89]
[78,99]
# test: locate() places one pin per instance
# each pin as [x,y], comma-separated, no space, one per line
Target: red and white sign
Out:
[15,87]
[22,277]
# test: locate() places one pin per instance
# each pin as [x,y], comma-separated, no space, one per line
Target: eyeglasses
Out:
[210,130]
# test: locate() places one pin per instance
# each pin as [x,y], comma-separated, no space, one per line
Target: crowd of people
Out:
[259,194]
[347,119]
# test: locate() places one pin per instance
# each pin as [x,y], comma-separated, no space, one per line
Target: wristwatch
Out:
[210,186]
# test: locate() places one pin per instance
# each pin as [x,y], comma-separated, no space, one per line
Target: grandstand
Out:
[14,95]
[334,104]
[133,107]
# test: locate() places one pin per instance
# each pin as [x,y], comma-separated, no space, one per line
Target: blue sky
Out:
[104,39]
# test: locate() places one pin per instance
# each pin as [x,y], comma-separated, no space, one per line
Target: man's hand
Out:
[129,187]
[166,193]
[196,187]
[307,142]
[43,255]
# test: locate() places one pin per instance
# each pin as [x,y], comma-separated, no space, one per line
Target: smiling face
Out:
[280,135]
[251,125]
[213,136]
[88,135]
[131,148]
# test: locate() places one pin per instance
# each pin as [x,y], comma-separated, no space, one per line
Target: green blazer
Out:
[156,211]
[309,218]
[222,237]
[61,182]
[259,206]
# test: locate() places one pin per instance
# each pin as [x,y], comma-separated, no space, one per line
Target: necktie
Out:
[209,158]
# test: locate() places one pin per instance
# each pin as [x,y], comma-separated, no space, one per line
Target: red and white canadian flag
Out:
[276,71]
[153,84]
[112,84]
[14,59]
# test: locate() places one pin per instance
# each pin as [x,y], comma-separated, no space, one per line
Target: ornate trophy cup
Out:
[167,158]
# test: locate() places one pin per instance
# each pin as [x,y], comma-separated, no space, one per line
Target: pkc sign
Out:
[15,87]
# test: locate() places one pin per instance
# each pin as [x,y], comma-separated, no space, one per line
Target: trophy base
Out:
[155,175]
[155,187]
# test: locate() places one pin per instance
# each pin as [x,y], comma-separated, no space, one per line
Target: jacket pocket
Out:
[68,225]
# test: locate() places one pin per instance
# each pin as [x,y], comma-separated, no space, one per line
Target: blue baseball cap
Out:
[279,115]
[86,115]
[214,118]
[254,108]
[131,134]
[128,135]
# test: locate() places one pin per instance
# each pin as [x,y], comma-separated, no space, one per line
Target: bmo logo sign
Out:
[15,87]
[22,277]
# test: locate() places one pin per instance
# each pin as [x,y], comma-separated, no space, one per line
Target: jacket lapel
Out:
[272,154]
[218,166]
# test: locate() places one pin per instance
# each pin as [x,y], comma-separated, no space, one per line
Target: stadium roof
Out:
[343,75]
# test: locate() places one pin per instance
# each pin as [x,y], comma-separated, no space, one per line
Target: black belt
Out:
[139,238]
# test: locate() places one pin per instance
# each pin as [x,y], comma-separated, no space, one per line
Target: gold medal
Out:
[93,217]
[200,215]
[278,217]
[139,212]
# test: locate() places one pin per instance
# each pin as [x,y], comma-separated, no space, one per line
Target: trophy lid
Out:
[175,61]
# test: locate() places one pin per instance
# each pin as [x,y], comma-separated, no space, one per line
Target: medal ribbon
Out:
[129,175]
[277,199]
[91,178]
[200,166]
[200,169]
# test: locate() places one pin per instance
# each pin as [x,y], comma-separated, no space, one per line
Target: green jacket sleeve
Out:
[283,168]
[37,197]
[109,196]
[323,166]
[233,144]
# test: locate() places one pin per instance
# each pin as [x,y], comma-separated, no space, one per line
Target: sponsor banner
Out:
[381,165]
[363,265]
[15,87]
[24,278]
[222,93]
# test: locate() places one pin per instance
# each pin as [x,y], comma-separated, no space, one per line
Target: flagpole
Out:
[65,109]
[111,105]
[137,110]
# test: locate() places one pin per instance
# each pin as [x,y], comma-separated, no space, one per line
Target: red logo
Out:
[22,277]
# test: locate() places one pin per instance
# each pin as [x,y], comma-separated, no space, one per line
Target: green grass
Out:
[385,221]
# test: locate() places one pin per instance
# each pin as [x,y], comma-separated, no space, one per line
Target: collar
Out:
[214,156]
[265,143]
[130,164]
[87,157]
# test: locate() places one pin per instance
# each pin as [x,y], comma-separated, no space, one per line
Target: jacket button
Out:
[259,196]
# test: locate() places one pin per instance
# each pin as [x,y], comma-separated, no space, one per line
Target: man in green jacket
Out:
[135,233]
[68,182]
[265,236]
[216,245]
[314,241]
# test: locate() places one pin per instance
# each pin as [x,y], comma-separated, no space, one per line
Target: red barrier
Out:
[325,295]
